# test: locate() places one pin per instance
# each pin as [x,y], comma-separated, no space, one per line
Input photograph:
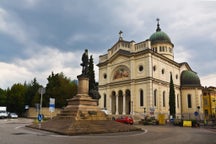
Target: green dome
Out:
[189,78]
[160,36]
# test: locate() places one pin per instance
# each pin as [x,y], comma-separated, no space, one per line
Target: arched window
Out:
[155,97]
[141,98]
[105,99]
[189,101]
[164,99]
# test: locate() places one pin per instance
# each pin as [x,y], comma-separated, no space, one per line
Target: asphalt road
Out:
[15,132]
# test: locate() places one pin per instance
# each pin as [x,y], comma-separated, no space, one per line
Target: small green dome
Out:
[190,78]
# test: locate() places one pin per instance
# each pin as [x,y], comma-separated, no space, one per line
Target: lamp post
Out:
[144,112]
[41,91]
[198,108]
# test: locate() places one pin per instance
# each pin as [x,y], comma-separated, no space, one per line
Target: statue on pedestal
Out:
[85,63]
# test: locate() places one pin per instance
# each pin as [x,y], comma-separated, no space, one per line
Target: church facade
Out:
[134,78]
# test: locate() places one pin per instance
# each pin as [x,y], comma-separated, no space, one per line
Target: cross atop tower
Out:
[158,25]
[120,35]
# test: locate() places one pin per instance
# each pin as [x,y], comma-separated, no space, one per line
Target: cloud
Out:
[44,36]
[208,80]
[181,54]
[10,25]
[49,60]
[11,74]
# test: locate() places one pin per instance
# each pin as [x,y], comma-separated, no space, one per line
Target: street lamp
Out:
[144,111]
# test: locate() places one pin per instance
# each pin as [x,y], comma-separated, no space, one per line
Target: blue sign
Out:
[52,105]
[196,113]
[40,117]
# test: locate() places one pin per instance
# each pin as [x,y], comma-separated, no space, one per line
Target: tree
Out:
[61,88]
[172,105]
[93,90]
[32,96]
[91,74]
[16,98]
[3,97]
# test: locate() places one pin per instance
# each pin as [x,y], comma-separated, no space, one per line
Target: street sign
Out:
[40,117]
[196,113]
[41,90]
[52,105]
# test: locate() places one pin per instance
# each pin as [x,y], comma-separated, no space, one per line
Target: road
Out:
[14,132]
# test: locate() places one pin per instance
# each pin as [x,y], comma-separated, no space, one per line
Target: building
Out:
[209,102]
[134,79]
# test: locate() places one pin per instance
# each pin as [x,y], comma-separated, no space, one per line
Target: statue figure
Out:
[85,63]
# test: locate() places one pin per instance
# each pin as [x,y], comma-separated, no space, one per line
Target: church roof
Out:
[190,79]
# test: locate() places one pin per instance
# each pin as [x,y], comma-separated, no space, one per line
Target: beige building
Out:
[134,79]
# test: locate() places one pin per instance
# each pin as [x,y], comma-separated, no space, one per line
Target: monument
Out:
[82,115]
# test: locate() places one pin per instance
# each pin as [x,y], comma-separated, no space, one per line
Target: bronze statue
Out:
[85,63]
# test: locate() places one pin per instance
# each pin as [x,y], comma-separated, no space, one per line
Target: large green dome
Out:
[190,78]
[159,36]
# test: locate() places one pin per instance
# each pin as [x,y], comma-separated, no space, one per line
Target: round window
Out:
[141,68]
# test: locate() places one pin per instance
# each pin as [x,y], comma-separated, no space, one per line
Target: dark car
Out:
[125,119]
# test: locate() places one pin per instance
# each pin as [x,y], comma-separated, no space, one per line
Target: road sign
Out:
[196,113]
[52,105]
[40,117]
[41,90]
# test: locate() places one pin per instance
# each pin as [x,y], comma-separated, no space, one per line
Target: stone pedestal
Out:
[82,106]
[83,116]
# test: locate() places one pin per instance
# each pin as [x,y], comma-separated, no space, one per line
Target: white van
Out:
[3,112]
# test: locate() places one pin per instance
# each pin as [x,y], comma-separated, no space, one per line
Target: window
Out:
[155,97]
[154,49]
[104,100]
[176,76]
[164,99]
[154,67]
[141,98]
[141,68]
[105,76]
[189,101]
[162,71]
[205,102]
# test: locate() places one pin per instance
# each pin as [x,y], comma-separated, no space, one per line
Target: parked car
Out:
[125,119]
[13,115]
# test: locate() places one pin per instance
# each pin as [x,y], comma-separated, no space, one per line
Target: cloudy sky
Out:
[38,37]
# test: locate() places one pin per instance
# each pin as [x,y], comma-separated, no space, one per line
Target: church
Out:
[134,79]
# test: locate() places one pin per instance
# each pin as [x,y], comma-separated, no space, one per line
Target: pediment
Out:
[120,56]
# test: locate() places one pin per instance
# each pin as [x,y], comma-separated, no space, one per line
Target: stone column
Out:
[117,105]
[111,105]
[124,97]
[83,85]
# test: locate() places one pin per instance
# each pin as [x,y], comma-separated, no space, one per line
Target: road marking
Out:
[18,127]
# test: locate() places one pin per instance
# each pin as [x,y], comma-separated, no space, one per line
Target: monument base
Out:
[83,116]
